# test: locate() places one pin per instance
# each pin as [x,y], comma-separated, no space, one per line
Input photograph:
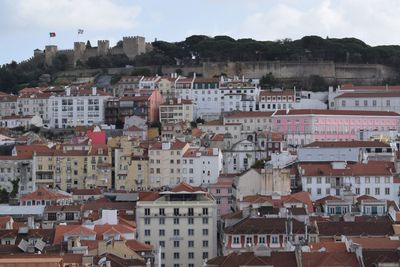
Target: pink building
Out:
[222,192]
[303,126]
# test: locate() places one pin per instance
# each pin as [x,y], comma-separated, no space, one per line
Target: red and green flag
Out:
[52,34]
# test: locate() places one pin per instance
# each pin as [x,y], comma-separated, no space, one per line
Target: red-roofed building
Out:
[146,106]
[45,196]
[97,137]
[374,178]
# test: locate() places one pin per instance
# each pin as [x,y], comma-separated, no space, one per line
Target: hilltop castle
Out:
[131,47]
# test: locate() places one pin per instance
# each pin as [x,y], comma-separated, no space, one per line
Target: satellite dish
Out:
[102,260]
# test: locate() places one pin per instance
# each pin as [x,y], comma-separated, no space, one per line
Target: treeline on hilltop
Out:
[199,48]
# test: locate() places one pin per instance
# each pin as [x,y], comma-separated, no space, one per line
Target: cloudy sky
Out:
[25,24]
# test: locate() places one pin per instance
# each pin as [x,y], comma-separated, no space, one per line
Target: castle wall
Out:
[50,53]
[133,46]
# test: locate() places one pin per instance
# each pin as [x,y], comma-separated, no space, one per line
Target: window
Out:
[205,255]
[236,240]
[367,180]
[176,220]
[190,243]
[205,211]
[147,232]
[357,180]
[374,103]
[249,240]
[52,216]
[387,180]
[357,191]
[274,239]
[176,232]
[377,191]
[357,103]
[190,212]
[162,244]
[190,231]
[205,243]
[191,255]
[146,220]
[387,191]
[161,211]
[161,232]
[176,244]
[161,221]
[318,191]
[388,103]
[205,231]
[261,239]
[147,212]
[308,180]
[176,255]
[176,211]
[205,220]
[190,220]
[377,180]
[367,191]
[318,180]
[365,103]
[343,103]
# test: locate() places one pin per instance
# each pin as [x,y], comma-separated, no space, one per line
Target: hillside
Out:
[198,51]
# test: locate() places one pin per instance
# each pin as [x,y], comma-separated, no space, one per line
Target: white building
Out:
[77,107]
[274,99]
[182,223]
[241,156]
[31,104]
[372,178]
[17,168]
[201,165]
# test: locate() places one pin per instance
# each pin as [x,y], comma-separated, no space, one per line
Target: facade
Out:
[201,165]
[274,233]
[304,126]
[77,107]
[240,156]
[176,110]
[166,85]
[143,106]
[238,95]
[182,223]
[34,104]
[382,101]
[271,100]
[341,179]
[128,86]
[8,105]
[266,181]
[165,163]
[222,190]
[17,168]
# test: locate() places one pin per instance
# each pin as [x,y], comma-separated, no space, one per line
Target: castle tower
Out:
[37,52]
[79,51]
[49,53]
[102,47]
[133,46]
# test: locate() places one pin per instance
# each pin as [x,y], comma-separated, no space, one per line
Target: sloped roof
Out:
[42,193]
[329,259]
[276,259]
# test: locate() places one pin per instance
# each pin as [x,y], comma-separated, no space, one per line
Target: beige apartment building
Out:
[181,224]
[165,163]
[176,110]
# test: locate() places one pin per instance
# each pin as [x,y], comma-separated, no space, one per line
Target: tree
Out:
[199,120]
[119,124]
[268,80]
[60,62]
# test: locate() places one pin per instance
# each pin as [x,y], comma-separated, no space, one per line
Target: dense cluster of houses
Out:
[191,171]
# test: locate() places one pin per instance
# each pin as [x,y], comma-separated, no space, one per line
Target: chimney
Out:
[68,91]
[94,90]
[31,222]
[194,75]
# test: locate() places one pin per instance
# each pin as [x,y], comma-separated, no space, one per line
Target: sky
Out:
[25,24]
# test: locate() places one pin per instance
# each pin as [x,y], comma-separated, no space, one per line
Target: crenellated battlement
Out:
[131,47]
